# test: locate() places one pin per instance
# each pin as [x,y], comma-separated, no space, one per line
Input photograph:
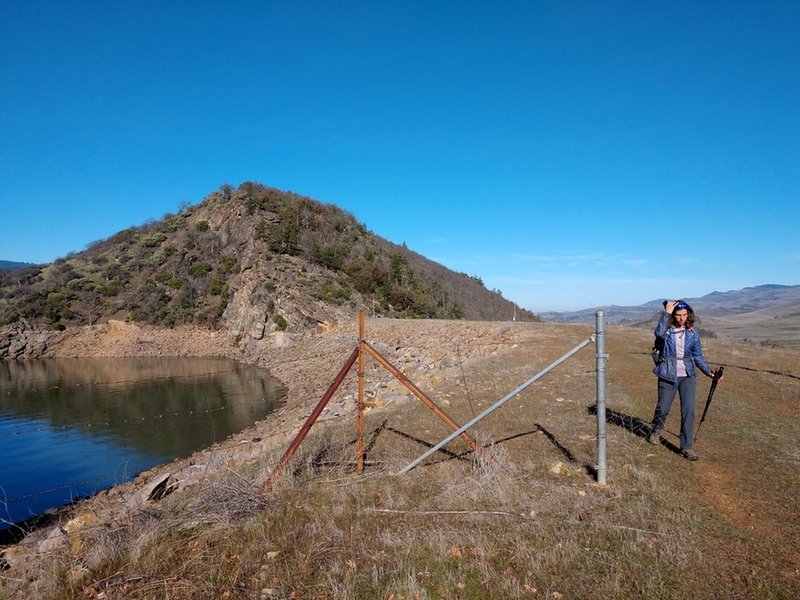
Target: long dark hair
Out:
[689,318]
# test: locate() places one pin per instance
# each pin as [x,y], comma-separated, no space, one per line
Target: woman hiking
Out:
[676,371]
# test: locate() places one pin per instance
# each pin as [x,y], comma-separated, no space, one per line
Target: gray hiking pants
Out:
[685,386]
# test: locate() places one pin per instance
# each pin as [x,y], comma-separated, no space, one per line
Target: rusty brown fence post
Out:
[359,354]
[298,439]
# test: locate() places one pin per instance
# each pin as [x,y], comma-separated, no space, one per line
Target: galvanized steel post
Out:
[461,430]
[361,356]
[601,397]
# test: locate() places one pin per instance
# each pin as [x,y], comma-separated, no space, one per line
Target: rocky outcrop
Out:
[24,340]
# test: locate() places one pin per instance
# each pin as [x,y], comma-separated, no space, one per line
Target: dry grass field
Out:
[524,520]
[775,326]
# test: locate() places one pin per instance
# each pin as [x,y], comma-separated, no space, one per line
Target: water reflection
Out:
[69,427]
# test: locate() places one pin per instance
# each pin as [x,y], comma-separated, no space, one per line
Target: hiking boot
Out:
[689,454]
[654,437]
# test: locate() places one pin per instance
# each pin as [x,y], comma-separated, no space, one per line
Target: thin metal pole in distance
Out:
[496,405]
[361,353]
[601,357]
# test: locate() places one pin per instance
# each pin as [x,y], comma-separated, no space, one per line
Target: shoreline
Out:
[304,364]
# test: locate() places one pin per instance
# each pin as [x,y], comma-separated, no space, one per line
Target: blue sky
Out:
[571,154]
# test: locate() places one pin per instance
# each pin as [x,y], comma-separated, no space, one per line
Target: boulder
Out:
[153,491]
[23,340]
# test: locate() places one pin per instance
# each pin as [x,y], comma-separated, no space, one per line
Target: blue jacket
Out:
[692,352]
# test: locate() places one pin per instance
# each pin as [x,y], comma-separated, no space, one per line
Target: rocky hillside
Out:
[252,261]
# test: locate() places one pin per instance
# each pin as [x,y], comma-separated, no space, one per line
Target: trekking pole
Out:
[714,381]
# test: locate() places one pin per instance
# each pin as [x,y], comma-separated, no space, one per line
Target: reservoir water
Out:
[71,427]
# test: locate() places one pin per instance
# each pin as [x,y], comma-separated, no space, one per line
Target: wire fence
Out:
[264,465]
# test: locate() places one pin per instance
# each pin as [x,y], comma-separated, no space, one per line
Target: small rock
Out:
[55,539]
[153,491]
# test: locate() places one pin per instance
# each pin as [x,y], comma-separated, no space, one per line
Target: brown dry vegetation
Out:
[291,260]
[525,521]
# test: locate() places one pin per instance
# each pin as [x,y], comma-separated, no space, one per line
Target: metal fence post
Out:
[495,406]
[601,397]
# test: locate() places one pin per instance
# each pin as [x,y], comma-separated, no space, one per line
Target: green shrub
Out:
[200,269]
[157,258]
[57,307]
[218,283]
[228,263]
[224,298]
[112,288]
[160,276]
[330,292]
[152,240]
[330,256]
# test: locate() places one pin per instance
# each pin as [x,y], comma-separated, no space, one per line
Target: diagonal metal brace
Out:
[496,405]
[421,395]
[301,435]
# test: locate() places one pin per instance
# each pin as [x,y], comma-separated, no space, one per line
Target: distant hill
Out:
[766,314]
[251,259]
[8,265]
